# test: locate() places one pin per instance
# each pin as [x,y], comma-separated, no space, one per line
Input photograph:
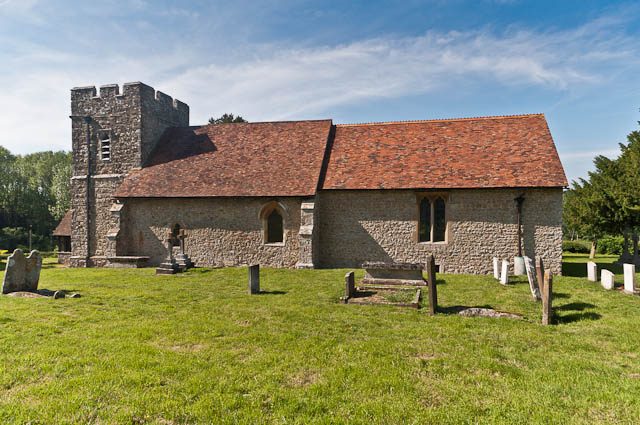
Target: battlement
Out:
[111,93]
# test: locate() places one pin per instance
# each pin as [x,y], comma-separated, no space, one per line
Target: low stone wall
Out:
[64,257]
[377,225]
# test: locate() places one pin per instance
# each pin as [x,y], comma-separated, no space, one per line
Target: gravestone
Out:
[540,273]
[607,279]
[630,278]
[592,271]
[518,266]
[183,260]
[22,273]
[504,277]
[547,295]
[350,285]
[254,279]
[496,268]
[533,280]
[380,273]
[431,281]
[169,266]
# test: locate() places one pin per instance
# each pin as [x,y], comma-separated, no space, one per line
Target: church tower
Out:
[113,133]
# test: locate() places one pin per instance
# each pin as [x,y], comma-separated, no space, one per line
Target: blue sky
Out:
[578,62]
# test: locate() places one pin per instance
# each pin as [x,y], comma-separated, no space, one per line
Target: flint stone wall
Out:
[220,231]
[377,225]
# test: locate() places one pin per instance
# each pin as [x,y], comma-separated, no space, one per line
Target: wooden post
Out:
[540,273]
[431,281]
[547,295]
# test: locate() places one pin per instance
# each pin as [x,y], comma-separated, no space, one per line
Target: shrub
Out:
[611,245]
[579,247]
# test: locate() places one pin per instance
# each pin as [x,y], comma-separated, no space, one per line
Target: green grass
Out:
[196,349]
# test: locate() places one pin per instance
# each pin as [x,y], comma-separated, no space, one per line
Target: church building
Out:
[307,194]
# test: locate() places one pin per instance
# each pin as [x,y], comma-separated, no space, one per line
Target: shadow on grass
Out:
[575,306]
[6,320]
[561,295]
[576,317]
[271,293]
[580,269]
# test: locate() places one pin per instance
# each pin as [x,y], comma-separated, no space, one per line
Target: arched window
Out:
[273,219]
[432,221]
[274,227]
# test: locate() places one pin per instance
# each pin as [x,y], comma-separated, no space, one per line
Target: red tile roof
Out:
[236,159]
[490,152]
[64,227]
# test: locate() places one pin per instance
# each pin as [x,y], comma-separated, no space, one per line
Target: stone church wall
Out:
[221,231]
[359,226]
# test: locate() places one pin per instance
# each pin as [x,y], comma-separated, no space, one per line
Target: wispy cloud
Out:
[285,82]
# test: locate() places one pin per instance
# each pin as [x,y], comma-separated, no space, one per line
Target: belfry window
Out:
[432,222]
[105,147]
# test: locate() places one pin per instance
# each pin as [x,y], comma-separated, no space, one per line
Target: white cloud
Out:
[280,82]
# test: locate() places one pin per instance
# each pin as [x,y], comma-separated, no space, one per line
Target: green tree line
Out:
[34,194]
[607,203]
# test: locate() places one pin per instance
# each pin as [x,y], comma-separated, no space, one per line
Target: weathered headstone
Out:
[540,272]
[547,295]
[518,266]
[607,279]
[22,273]
[254,279]
[350,285]
[169,266]
[629,278]
[431,281]
[504,277]
[496,268]
[592,271]
[533,280]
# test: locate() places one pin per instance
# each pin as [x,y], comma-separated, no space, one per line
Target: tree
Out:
[226,118]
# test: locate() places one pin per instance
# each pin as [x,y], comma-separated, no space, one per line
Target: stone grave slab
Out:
[630,278]
[504,277]
[607,279]
[592,271]
[22,273]
[379,273]
[533,279]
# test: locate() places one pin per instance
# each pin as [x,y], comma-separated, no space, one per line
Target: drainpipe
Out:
[87,119]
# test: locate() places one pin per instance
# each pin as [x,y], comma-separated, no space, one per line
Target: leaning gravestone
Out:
[607,279]
[533,280]
[630,278]
[504,277]
[592,271]
[496,268]
[540,272]
[22,273]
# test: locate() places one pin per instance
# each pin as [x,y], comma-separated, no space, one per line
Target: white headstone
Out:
[592,271]
[629,278]
[518,266]
[22,273]
[504,277]
[607,279]
[496,268]
[533,280]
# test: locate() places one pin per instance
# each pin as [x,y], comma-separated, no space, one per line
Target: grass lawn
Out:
[196,349]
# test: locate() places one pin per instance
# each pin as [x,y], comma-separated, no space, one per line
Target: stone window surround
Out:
[432,196]
[105,142]
[264,216]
